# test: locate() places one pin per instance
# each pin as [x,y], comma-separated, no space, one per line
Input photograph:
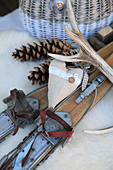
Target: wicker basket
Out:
[45,19]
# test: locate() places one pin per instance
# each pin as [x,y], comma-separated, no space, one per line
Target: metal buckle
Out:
[98,81]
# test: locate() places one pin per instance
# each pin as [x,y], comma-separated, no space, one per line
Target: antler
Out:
[86,53]
[99,132]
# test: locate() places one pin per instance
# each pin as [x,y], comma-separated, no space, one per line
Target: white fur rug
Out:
[84,151]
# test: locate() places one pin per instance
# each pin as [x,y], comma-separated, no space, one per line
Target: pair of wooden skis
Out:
[40,147]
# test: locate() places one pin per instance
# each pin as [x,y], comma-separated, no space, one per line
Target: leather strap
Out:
[59,134]
[52,115]
[23,109]
[22,100]
[43,116]
[14,99]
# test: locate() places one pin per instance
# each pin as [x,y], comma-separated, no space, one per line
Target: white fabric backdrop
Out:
[84,151]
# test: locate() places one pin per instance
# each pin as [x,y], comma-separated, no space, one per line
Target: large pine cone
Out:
[37,52]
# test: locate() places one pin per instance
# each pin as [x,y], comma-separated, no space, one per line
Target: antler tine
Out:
[72,17]
[99,131]
[66,59]
[77,38]
[76,35]
[72,58]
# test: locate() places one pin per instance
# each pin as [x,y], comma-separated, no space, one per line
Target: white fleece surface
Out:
[84,151]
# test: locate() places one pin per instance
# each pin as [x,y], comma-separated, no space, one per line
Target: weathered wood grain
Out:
[96,43]
[105,35]
[78,110]
[41,95]
[102,37]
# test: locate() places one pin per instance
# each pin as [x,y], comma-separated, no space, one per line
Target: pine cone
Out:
[37,52]
[41,74]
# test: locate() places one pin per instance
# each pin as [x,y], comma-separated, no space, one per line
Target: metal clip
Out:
[98,81]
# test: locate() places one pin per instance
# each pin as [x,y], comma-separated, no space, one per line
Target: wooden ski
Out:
[75,110]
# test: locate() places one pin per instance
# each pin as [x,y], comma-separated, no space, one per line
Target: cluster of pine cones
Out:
[37,52]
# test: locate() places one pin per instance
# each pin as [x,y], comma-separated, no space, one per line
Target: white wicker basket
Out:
[43,19]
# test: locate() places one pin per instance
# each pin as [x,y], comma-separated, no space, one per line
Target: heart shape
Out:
[62,81]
